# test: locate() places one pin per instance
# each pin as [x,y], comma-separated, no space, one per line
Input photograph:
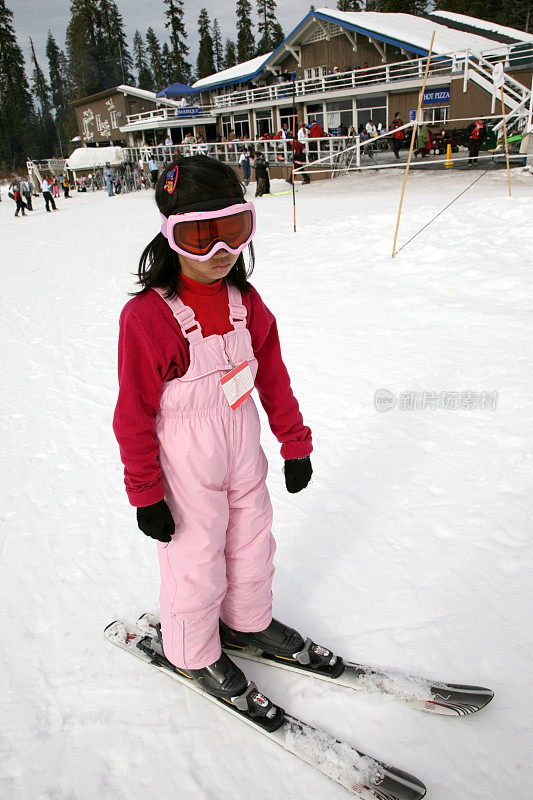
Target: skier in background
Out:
[194,467]
[109,178]
[46,187]
[477,133]
[397,139]
[244,161]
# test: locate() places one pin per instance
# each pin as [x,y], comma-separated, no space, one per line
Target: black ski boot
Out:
[224,680]
[277,639]
[280,643]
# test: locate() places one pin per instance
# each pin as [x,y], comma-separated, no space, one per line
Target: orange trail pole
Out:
[413,137]
[293,163]
[506,142]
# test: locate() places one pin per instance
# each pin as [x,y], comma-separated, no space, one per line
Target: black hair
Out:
[202,181]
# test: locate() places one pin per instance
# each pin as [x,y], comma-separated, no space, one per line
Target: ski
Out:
[435,697]
[361,775]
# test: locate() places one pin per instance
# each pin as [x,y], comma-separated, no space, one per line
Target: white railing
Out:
[385,73]
[410,70]
[277,151]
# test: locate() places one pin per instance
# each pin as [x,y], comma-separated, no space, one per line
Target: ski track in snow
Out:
[410,549]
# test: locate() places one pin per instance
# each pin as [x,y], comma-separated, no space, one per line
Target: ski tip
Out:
[107,627]
[460,700]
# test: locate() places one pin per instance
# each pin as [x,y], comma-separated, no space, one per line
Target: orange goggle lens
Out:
[197,237]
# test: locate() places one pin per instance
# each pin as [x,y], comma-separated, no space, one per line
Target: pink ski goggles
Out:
[200,234]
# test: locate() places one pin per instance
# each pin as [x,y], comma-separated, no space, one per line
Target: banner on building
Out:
[441,95]
[188,111]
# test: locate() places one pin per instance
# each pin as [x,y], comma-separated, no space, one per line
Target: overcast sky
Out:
[36,17]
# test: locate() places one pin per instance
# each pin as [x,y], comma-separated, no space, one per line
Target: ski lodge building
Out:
[350,67]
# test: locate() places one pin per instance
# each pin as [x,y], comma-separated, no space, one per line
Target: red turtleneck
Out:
[152,350]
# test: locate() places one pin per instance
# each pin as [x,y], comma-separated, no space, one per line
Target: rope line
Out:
[445,207]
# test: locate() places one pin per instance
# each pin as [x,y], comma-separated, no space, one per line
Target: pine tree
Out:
[144,76]
[84,48]
[16,108]
[45,144]
[205,63]
[245,34]
[174,14]
[268,27]
[65,119]
[218,50]
[117,62]
[153,49]
[230,54]
[348,5]
[167,66]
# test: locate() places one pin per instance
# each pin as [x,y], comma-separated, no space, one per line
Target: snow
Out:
[239,72]
[485,25]
[92,157]
[410,549]
[409,29]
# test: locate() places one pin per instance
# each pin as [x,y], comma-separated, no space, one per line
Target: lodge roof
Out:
[405,31]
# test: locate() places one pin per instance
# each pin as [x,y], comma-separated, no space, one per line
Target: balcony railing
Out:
[412,70]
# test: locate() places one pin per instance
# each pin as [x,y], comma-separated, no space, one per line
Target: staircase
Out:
[516,96]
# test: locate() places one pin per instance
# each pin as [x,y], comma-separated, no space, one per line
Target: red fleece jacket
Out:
[152,350]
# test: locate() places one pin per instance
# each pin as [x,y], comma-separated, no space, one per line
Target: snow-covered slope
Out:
[411,548]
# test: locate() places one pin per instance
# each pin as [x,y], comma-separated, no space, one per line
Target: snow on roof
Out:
[92,157]
[485,25]
[410,30]
[144,94]
[240,72]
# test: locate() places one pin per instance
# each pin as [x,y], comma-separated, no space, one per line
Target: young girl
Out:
[193,343]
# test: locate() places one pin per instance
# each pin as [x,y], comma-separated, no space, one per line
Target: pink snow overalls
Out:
[220,560]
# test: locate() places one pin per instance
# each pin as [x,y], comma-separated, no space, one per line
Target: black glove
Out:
[156,521]
[298,473]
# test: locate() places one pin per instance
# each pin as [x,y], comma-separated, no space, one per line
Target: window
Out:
[226,125]
[285,116]
[114,123]
[263,122]
[371,108]
[371,102]
[339,111]
[315,111]
[98,120]
[437,115]
[241,126]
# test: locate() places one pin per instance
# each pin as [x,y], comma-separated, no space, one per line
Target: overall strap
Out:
[190,327]
[237,311]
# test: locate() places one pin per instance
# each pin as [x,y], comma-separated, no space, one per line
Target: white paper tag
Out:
[238,384]
[498,75]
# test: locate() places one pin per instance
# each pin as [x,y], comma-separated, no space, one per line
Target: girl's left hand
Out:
[298,473]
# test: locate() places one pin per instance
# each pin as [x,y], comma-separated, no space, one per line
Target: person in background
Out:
[397,139]
[109,178]
[303,134]
[298,156]
[422,141]
[66,187]
[244,161]
[154,172]
[261,175]
[169,144]
[16,194]
[46,186]
[26,187]
[477,133]
[315,132]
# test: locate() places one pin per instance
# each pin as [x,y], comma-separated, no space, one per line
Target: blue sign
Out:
[188,111]
[441,95]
